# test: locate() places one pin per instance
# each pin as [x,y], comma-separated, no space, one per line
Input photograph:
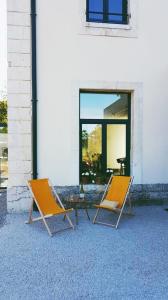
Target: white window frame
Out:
[108,29]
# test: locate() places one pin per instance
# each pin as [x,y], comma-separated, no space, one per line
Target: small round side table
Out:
[73,201]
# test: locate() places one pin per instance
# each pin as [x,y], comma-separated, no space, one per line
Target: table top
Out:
[75,199]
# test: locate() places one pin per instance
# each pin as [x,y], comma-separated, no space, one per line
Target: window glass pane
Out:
[91,152]
[95,6]
[115,7]
[103,106]
[95,17]
[116,148]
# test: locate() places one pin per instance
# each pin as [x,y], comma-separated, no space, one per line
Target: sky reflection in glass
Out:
[92,105]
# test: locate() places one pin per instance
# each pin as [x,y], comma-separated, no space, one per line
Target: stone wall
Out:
[149,194]
[146,194]
[19,98]
[154,194]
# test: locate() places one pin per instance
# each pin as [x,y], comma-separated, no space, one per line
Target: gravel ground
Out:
[3,207]
[92,262]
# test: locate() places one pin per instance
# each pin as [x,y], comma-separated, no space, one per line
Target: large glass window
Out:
[104,136]
[107,11]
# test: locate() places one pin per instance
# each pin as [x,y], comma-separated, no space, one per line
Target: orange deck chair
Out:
[115,197]
[47,201]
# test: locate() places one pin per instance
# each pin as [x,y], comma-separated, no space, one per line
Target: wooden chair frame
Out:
[120,211]
[44,217]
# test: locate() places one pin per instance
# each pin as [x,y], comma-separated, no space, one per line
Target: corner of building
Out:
[19,103]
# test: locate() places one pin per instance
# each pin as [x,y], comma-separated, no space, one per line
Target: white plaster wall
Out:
[3,49]
[19,102]
[65,56]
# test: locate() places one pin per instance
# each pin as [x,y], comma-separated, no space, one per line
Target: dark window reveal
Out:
[107,11]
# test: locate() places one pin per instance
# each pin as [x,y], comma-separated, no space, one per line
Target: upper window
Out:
[107,11]
[103,105]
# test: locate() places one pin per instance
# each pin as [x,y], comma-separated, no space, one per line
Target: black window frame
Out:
[104,123]
[125,15]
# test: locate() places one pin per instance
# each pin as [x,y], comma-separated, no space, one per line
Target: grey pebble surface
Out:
[3,207]
[91,262]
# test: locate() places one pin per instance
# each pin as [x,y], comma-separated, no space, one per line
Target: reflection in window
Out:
[91,152]
[97,8]
[107,11]
[115,8]
[104,106]
[116,148]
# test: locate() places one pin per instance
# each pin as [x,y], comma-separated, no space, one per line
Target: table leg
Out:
[76,214]
[87,213]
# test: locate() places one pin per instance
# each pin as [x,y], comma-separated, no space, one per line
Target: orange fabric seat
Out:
[44,196]
[47,201]
[116,193]
[118,189]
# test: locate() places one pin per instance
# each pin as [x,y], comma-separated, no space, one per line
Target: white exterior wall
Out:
[19,102]
[3,49]
[70,58]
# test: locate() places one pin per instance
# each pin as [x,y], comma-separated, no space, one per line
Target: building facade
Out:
[102,95]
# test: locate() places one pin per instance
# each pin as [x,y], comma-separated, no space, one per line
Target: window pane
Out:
[95,6]
[91,152]
[116,149]
[115,7]
[103,106]
[95,17]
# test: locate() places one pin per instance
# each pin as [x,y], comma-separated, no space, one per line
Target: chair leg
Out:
[76,214]
[47,227]
[122,212]
[107,224]
[30,214]
[69,220]
[94,220]
[118,220]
